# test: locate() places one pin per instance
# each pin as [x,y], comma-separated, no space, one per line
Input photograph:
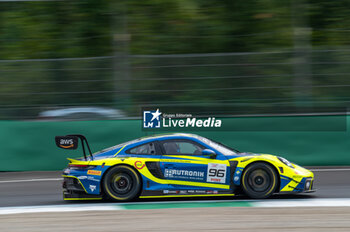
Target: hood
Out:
[242,154]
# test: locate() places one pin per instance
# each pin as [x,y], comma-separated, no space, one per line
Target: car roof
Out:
[146,139]
[159,136]
[167,135]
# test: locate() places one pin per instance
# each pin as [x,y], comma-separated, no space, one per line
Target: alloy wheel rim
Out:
[121,183]
[259,180]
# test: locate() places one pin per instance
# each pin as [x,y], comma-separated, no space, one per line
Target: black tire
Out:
[259,180]
[121,183]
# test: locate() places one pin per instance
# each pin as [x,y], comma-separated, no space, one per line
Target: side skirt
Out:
[185,193]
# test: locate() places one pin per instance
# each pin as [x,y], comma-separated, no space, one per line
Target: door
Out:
[182,163]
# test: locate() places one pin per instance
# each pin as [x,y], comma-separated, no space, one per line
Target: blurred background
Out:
[66,66]
[240,57]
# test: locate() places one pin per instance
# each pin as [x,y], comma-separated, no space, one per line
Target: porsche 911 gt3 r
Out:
[177,165]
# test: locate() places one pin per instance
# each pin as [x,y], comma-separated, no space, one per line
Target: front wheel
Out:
[122,183]
[259,180]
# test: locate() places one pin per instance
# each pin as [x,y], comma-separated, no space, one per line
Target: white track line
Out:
[330,202]
[30,180]
[330,170]
[55,209]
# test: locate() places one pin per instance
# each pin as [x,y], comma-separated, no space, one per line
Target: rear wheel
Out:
[259,180]
[122,183]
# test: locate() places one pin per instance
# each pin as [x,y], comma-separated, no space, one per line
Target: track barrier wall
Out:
[305,140]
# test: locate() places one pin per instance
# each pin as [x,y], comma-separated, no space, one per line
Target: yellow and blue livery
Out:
[177,165]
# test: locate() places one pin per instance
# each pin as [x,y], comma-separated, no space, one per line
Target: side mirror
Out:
[67,142]
[210,153]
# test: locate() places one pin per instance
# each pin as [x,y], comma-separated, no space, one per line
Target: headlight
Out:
[307,185]
[286,162]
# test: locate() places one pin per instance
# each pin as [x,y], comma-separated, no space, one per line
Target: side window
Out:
[178,147]
[145,149]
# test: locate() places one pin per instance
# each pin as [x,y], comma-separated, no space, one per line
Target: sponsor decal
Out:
[237,176]
[94,172]
[66,143]
[200,191]
[82,177]
[139,165]
[92,178]
[157,119]
[173,192]
[216,173]
[186,192]
[92,187]
[183,174]
[212,192]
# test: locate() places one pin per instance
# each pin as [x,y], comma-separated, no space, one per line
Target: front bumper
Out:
[297,185]
[305,185]
[296,180]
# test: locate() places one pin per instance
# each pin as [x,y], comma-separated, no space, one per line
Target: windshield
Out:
[219,146]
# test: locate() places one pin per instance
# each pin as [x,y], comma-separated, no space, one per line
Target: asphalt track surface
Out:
[44,188]
[320,219]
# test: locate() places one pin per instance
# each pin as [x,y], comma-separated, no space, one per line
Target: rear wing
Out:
[72,141]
